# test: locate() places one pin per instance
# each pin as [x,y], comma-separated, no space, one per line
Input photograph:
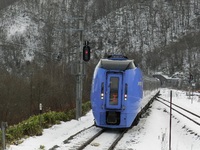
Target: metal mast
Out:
[79,72]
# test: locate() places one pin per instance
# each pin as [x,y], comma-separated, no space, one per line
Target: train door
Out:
[114,92]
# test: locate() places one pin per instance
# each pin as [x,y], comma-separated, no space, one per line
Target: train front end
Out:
[117,90]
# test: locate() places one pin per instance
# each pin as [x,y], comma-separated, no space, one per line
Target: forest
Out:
[39,40]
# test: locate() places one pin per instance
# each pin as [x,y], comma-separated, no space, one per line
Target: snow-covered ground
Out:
[152,132]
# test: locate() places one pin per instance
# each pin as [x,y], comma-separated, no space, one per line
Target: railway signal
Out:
[86,53]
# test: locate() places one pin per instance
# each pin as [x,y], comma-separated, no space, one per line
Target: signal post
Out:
[82,54]
[79,73]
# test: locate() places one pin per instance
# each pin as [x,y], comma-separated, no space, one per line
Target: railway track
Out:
[182,111]
[90,138]
[113,136]
[76,138]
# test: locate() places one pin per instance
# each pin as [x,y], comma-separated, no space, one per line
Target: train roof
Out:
[121,65]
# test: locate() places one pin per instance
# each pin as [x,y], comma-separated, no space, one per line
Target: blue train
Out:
[117,92]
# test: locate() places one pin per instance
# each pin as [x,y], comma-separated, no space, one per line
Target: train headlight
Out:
[102,95]
[125,97]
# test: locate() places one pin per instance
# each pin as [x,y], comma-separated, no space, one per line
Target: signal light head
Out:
[86,53]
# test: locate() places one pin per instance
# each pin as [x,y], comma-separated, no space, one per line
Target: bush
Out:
[86,107]
[32,126]
[35,124]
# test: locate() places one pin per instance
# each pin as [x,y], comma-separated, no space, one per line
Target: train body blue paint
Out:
[117,92]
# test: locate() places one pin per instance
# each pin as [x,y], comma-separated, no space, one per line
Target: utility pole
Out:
[79,69]
[170,122]
[79,72]
[3,128]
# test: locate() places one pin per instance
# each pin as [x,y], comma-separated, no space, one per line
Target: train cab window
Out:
[116,64]
[114,84]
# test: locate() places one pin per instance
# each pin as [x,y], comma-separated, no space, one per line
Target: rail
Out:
[161,101]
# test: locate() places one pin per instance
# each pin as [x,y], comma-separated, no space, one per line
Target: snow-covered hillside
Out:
[141,26]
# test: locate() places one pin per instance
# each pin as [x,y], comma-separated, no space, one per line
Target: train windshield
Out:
[120,65]
[114,84]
